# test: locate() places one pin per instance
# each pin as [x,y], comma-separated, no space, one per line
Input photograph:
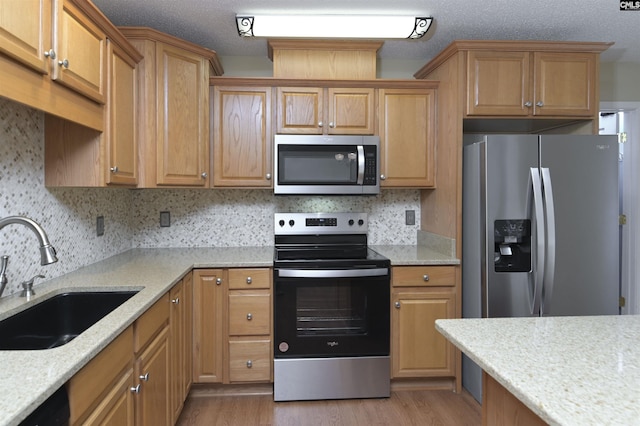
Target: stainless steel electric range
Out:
[331,309]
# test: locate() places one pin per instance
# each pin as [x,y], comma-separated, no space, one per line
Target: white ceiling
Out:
[211,23]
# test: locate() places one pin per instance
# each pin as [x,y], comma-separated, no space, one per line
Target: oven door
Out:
[331,312]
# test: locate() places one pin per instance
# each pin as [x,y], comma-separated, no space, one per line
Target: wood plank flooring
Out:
[428,407]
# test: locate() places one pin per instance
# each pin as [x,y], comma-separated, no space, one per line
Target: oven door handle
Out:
[332,273]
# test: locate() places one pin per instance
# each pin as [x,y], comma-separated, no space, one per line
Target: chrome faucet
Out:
[47,252]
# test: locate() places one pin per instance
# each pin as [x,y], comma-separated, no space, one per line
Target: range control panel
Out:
[320,223]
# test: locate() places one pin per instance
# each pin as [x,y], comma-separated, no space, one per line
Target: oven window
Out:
[317,164]
[331,310]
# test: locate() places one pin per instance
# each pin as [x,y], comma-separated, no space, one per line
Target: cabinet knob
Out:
[320,124]
[332,124]
[249,316]
[383,177]
[175,301]
[249,364]
[114,169]
[204,175]
[135,389]
[249,280]
[51,54]
[528,104]
[218,281]
[539,103]
[64,63]
[425,277]
[397,305]
[145,377]
[268,176]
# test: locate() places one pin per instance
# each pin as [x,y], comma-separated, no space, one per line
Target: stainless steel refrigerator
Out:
[540,229]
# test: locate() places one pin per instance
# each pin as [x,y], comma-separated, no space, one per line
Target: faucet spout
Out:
[47,252]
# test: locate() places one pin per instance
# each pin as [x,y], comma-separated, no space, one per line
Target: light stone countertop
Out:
[28,378]
[567,370]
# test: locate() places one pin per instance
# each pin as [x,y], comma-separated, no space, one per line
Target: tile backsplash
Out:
[199,217]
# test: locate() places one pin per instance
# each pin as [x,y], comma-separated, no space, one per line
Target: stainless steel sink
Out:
[58,320]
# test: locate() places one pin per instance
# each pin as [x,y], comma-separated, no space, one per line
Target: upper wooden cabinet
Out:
[242,136]
[521,84]
[407,129]
[173,109]
[338,110]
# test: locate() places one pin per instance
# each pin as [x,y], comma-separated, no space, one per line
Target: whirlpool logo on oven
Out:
[332,344]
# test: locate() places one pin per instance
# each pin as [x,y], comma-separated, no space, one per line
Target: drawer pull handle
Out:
[114,169]
[397,304]
[145,378]
[51,54]
[249,280]
[527,104]
[249,364]
[249,316]
[135,389]
[425,277]
[539,104]
[218,281]
[175,301]
[64,63]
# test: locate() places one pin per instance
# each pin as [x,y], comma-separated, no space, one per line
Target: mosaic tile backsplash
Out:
[199,218]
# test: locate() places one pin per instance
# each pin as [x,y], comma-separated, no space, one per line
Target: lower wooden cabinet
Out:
[501,408]
[152,370]
[180,314]
[420,295]
[232,325]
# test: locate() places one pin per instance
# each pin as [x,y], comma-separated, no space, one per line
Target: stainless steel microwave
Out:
[320,164]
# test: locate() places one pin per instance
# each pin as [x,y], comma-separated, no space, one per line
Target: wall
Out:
[619,81]
[67,215]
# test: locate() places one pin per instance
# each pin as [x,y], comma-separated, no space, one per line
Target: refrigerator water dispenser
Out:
[512,245]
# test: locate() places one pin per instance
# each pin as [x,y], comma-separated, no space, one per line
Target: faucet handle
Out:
[3,265]
[27,286]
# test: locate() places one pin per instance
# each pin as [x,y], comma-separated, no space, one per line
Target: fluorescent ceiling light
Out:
[333,26]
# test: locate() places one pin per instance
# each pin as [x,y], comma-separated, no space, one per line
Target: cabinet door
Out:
[498,83]
[182,117]
[177,339]
[122,146]
[187,331]
[407,137]
[116,409]
[565,84]
[351,111]
[25,32]
[208,316]
[81,52]
[153,370]
[242,137]
[300,110]
[418,350]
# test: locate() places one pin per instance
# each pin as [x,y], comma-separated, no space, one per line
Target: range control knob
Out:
[281,223]
[351,222]
[360,222]
[292,222]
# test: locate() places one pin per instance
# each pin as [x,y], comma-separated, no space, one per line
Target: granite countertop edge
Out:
[152,271]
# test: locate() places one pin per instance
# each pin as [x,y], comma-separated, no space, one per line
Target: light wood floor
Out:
[429,407]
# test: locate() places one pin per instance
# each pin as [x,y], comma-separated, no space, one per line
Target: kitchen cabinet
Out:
[233,325]
[151,366]
[173,109]
[180,315]
[501,408]
[522,84]
[242,136]
[420,295]
[407,129]
[100,393]
[329,110]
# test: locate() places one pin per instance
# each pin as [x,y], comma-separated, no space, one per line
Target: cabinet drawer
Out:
[250,278]
[420,276]
[150,323]
[250,360]
[249,313]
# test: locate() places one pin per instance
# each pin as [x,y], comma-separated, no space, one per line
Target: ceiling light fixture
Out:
[333,26]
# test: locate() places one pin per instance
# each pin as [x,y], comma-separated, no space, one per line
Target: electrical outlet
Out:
[100,226]
[410,217]
[165,219]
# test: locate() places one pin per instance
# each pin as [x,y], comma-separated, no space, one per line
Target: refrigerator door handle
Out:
[535,194]
[550,249]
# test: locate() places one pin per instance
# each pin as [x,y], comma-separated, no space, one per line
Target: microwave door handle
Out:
[360,165]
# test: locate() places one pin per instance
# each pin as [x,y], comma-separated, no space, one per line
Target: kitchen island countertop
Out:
[567,370]
[27,378]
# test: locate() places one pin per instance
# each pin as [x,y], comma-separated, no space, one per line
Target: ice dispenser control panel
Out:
[512,245]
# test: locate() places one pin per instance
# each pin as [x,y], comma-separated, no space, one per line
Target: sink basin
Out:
[56,321]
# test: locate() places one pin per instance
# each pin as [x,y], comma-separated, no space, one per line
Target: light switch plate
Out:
[100,226]
[165,219]
[410,217]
